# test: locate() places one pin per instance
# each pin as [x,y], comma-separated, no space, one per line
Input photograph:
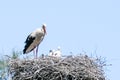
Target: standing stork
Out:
[34,39]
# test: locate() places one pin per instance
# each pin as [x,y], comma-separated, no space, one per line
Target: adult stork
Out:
[34,39]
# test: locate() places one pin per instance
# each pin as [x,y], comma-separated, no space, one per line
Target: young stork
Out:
[34,39]
[55,53]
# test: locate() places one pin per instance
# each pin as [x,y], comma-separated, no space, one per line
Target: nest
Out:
[50,68]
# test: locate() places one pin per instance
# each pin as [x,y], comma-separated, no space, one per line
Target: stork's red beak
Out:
[44,28]
[45,31]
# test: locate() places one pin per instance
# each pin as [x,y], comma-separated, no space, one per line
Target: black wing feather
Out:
[27,38]
[28,42]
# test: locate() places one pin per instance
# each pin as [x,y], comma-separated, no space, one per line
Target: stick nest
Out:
[79,67]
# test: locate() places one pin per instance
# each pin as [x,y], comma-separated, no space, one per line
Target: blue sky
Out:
[74,25]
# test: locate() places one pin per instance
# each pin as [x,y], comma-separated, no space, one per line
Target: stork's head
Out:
[44,28]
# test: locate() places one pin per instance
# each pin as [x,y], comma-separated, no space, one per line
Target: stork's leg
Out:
[37,51]
[34,53]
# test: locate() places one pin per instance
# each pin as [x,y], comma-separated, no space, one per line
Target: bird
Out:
[51,53]
[34,39]
[55,53]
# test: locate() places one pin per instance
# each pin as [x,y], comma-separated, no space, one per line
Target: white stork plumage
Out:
[51,53]
[55,53]
[34,39]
